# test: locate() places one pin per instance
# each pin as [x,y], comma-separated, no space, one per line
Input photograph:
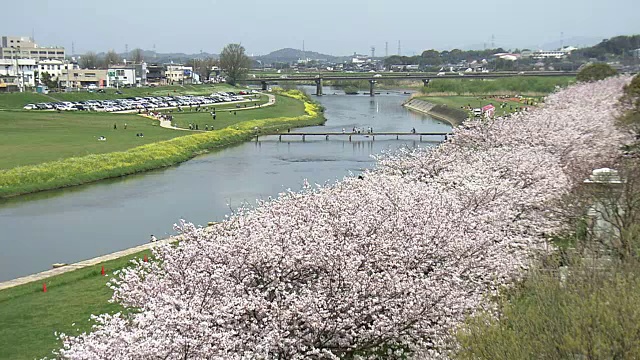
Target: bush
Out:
[509,85]
[592,314]
[351,90]
[595,72]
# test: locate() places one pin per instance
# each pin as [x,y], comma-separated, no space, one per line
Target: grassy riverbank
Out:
[79,170]
[523,85]
[460,102]
[29,317]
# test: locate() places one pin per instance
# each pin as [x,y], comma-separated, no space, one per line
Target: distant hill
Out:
[577,41]
[291,55]
[616,46]
[151,56]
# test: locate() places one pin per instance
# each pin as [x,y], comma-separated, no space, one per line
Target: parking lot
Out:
[142,104]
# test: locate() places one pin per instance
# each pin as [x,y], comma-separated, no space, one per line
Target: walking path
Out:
[167,123]
[83,264]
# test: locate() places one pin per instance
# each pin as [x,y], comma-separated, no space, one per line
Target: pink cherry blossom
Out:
[382,266]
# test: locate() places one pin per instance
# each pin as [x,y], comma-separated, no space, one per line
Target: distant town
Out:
[26,65]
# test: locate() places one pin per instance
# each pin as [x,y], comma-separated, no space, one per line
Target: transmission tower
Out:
[386,49]
[399,49]
[373,52]
[493,41]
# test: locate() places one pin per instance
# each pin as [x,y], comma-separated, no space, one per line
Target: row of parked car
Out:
[139,103]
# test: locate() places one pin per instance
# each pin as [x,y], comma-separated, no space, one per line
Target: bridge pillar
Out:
[371,85]
[425,82]
[319,86]
[264,85]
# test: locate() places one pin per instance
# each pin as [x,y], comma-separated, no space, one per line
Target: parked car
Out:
[30,107]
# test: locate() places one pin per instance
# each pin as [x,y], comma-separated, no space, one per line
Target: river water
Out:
[87,221]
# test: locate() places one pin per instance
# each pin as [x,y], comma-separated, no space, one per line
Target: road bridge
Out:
[374,78]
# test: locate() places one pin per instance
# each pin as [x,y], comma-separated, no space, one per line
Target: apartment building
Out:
[18,72]
[12,47]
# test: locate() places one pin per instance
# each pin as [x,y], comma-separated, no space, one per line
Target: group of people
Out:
[160,116]
[357,130]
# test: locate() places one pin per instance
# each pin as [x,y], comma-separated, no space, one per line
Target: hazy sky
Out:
[337,27]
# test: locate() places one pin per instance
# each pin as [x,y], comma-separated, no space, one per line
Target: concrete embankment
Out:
[443,112]
[83,264]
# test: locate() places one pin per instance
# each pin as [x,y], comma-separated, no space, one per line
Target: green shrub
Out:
[590,314]
[595,72]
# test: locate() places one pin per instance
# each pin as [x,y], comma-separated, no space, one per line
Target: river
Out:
[82,222]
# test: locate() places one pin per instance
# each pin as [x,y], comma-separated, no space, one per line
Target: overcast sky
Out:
[336,27]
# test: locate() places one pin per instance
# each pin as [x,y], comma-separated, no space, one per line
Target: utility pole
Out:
[561,40]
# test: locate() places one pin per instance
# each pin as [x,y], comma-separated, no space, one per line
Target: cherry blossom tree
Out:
[382,266]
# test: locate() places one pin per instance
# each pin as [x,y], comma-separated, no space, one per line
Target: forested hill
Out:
[616,46]
[289,55]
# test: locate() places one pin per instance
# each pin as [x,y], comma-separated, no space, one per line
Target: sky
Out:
[335,27]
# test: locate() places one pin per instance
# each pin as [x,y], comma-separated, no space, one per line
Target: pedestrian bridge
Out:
[357,136]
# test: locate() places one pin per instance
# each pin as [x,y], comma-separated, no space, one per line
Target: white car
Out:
[377,75]
[441,73]
[30,107]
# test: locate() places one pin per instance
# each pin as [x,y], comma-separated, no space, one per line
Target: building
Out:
[82,78]
[178,74]
[18,72]
[174,73]
[553,54]
[156,74]
[53,67]
[636,53]
[26,48]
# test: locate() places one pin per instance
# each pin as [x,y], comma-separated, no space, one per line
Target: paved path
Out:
[83,264]
[167,123]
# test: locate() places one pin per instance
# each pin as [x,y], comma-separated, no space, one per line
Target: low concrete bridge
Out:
[426,78]
[363,135]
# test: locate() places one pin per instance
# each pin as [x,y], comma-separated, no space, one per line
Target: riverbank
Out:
[95,167]
[28,316]
[455,117]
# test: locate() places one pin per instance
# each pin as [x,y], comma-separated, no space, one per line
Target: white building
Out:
[122,76]
[178,74]
[553,54]
[19,72]
[53,67]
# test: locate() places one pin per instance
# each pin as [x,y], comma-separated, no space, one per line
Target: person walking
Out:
[153,239]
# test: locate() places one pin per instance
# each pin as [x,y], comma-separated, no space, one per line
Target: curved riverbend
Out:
[82,222]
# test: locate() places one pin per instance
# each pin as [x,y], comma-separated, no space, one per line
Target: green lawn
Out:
[28,138]
[474,101]
[33,137]
[29,317]
[225,115]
